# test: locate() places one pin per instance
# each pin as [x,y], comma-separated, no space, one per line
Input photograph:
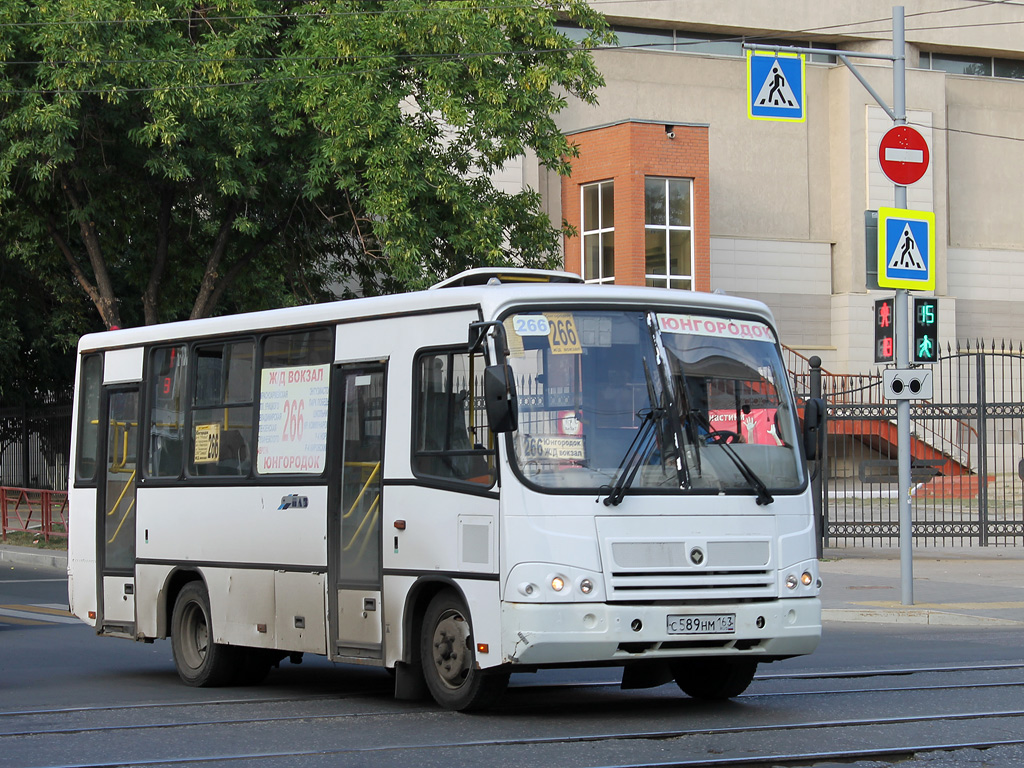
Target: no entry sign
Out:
[903,155]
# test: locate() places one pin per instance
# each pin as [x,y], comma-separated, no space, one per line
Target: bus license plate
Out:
[702,624]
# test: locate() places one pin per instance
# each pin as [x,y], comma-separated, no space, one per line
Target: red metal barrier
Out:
[34,511]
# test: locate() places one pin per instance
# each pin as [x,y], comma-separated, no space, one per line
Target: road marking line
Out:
[51,609]
[34,612]
[23,622]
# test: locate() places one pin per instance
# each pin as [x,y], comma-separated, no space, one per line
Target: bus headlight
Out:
[527,589]
[806,578]
[553,583]
[791,581]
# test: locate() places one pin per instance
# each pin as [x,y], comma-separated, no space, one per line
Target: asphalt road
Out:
[68,697]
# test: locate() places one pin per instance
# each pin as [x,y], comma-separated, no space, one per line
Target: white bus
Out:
[509,472]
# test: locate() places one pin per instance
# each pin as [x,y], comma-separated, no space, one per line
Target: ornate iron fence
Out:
[967,449]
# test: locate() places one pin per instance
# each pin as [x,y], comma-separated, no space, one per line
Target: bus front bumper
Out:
[596,633]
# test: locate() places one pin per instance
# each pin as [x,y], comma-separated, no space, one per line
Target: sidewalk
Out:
[57,559]
[979,586]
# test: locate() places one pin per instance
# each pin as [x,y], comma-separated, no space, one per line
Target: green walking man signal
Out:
[926,330]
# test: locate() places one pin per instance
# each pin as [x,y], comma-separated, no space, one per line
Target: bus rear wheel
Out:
[199,660]
[714,679]
[449,658]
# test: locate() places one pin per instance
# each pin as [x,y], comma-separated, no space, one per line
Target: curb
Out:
[54,559]
[918,617]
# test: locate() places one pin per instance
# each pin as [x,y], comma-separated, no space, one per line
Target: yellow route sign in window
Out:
[207,448]
[562,336]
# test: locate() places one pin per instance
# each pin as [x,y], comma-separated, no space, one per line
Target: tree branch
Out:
[69,257]
[104,299]
[232,274]
[202,306]
[150,295]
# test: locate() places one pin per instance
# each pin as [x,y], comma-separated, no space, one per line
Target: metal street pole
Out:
[902,330]
[901,324]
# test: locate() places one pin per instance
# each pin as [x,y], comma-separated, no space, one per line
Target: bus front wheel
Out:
[449,658]
[200,661]
[714,679]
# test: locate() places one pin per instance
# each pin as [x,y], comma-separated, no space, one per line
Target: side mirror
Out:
[814,427]
[500,398]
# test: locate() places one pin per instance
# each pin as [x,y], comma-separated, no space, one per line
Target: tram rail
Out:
[705,740]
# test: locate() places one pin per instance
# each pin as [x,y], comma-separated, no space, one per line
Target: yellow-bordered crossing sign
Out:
[906,249]
[776,86]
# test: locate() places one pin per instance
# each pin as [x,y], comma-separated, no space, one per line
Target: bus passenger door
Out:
[354,522]
[116,514]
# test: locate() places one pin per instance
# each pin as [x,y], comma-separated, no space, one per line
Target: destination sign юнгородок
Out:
[722,327]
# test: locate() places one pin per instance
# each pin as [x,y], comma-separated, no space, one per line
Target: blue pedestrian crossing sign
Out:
[906,249]
[775,86]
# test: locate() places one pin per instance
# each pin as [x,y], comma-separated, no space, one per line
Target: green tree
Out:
[39,322]
[181,159]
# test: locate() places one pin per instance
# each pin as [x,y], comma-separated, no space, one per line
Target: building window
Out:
[669,232]
[1009,68]
[979,66]
[598,205]
[961,65]
[688,41]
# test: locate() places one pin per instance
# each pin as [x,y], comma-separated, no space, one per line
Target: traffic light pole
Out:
[901,321]
[902,331]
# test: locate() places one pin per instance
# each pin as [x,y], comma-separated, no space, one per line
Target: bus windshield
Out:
[621,402]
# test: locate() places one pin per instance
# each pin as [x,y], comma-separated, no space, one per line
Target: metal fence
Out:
[967,449]
[28,510]
[34,447]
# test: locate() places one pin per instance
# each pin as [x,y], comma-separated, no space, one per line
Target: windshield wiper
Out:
[634,457]
[680,432]
[764,497]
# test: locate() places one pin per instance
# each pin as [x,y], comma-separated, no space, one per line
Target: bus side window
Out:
[452,437]
[166,442]
[294,389]
[222,410]
[89,419]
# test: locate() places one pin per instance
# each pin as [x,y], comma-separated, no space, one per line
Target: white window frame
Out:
[670,280]
[599,231]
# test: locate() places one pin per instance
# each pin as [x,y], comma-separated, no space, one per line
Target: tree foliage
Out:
[40,321]
[181,159]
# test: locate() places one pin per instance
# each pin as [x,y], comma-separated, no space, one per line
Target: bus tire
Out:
[200,661]
[714,679]
[448,657]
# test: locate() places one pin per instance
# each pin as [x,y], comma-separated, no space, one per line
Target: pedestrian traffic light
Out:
[884,331]
[926,330]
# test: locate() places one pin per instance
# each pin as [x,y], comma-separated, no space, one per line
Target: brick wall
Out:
[627,153]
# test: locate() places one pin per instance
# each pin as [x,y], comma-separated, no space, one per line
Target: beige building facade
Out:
[786,201]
